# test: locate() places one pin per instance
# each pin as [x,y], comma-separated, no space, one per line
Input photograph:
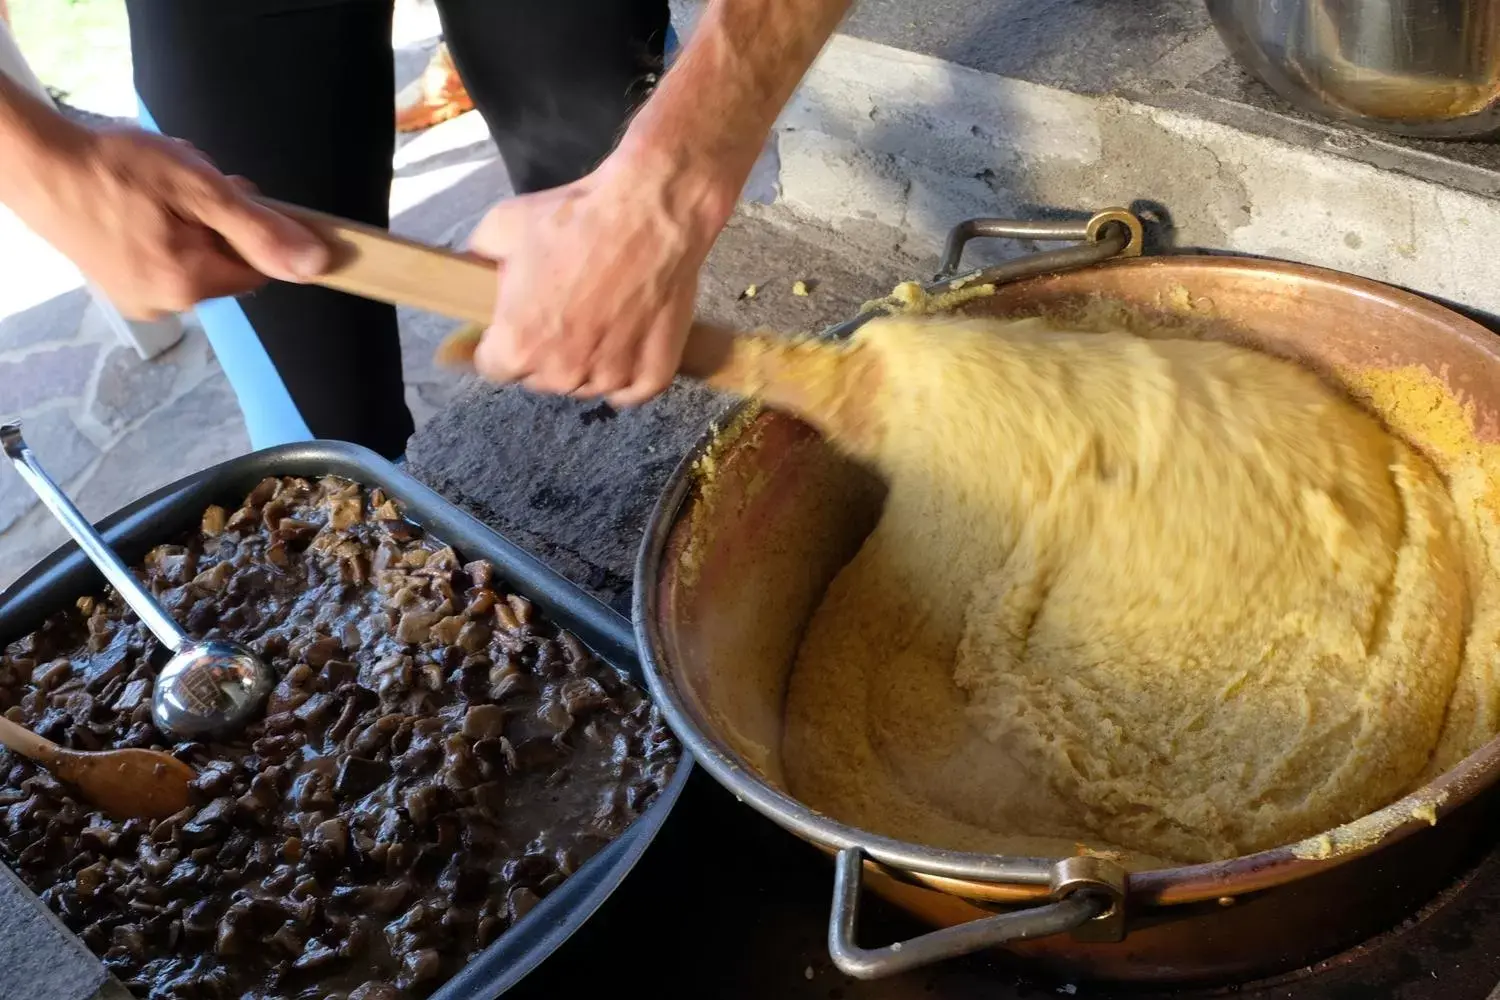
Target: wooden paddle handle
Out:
[28,744]
[707,355]
[376,264]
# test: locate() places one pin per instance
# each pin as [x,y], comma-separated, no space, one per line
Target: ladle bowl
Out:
[209,688]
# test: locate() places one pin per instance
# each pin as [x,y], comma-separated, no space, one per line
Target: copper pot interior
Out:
[752,552]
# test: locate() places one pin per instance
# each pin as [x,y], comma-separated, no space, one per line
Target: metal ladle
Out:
[208,689]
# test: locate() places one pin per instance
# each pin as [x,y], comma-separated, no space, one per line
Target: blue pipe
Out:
[271,416]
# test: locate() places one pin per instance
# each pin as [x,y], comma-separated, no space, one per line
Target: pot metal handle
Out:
[1114,232]
[1088,899]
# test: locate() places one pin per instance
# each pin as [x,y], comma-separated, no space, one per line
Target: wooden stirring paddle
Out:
[123,783]
[825,384]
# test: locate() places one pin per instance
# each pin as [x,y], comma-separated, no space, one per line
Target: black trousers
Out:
[299,97]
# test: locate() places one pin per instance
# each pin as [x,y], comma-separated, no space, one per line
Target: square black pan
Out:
[58,580]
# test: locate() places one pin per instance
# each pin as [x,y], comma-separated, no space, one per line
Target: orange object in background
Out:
[434,97]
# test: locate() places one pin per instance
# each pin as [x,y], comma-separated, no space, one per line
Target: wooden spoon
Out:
[123,783]
[811,379]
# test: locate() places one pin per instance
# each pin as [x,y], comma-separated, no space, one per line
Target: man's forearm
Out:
[34,136]
[709,117]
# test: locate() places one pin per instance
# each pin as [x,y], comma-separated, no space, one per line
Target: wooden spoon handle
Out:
[372,262]
[709,354]
[28,744]
[378,265]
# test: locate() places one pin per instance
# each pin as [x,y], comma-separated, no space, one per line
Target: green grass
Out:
[81,48]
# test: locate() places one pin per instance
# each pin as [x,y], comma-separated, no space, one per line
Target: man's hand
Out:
[158,229]
[598,280]
[147,219]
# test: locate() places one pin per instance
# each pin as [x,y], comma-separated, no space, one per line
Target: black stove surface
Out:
[726,904]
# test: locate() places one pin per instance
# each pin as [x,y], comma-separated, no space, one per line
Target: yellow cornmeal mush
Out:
[1171,596]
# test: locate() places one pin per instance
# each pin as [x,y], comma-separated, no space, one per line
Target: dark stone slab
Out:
[570,481]
[575,482]
[39,958]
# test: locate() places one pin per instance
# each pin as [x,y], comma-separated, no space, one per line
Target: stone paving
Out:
[107,425]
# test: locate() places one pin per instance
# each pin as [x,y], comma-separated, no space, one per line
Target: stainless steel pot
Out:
[725,587]
[1413,67]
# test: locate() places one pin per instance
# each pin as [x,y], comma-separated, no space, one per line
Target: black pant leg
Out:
[555,79]
[299,98]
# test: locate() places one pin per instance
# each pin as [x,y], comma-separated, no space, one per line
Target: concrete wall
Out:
[892,146]
[889,145]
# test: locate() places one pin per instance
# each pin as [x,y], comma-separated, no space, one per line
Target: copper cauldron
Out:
[719,627]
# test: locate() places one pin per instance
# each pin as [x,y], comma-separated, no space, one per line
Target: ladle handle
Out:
[100,554]
[28,744]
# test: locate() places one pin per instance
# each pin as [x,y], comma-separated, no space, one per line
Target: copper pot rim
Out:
[1367,289]
[1001,877]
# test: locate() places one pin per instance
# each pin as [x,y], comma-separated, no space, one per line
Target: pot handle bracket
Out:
[1088,899]
[1113,232]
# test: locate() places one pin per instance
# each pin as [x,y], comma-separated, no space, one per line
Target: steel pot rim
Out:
[1165,886]
[1299,78]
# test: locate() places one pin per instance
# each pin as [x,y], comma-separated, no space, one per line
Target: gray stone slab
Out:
[129,388]
[450,210]
[912,144]
[55,320]
[428,388]
[1144,48]
[198,429]
[411,60]
[574,482]
[39,958]
[45,377]
[1087,46]
[63,451]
